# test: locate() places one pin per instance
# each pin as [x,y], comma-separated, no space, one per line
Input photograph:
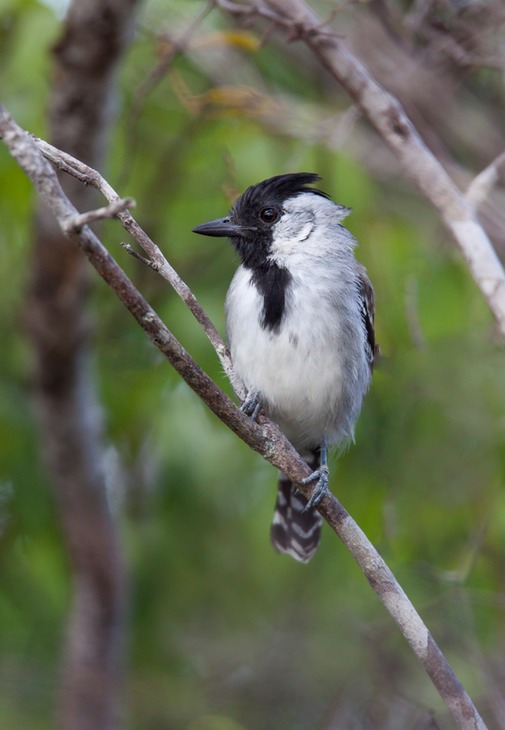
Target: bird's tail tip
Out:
[294,531]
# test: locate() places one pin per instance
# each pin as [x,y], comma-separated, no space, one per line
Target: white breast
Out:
[312,375]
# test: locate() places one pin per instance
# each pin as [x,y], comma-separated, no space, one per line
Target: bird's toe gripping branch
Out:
[251,406]
[321,474]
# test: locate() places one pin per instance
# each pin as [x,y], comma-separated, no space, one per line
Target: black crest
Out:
[253,244]
[275,190]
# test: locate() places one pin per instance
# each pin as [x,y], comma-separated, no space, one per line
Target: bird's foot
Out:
[319,491]
[251,406]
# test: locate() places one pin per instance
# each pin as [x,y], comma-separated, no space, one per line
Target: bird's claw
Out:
[321,488]
[251,406]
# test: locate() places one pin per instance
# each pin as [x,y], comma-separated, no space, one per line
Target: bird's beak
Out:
[219,227]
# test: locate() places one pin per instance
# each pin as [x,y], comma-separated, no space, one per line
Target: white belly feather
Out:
[305,381]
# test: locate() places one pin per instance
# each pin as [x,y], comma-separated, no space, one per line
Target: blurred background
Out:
[219,632]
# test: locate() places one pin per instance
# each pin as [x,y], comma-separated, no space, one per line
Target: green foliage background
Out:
[225,634]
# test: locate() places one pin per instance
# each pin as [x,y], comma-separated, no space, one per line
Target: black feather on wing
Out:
[367,301]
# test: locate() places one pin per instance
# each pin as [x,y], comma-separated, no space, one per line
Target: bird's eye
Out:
[268,215]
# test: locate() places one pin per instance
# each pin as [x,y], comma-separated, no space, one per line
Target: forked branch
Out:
[155,259]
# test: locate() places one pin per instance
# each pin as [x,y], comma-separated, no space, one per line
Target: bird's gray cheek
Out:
[306,230]
[294,232]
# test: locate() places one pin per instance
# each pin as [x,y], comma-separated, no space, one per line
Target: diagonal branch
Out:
[263,437]
[156,260]
[386,114]
[485,181]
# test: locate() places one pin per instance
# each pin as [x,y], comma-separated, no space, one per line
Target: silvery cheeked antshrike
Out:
[299,316]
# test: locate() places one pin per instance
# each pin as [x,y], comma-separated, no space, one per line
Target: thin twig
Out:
[386,114]
[157,260]
[481,186]
[109,211]
[136,255]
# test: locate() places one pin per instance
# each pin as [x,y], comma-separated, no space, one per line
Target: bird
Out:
[300,328]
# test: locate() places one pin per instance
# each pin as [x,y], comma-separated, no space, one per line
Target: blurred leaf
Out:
[242,39]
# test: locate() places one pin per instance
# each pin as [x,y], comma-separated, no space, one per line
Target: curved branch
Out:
[156,260]
[263,437]
[386,114]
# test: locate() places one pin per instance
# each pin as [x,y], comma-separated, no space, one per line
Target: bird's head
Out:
[276,218]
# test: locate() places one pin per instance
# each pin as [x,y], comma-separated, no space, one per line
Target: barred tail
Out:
[294,531]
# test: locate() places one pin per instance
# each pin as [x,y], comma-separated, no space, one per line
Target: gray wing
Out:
[367,302]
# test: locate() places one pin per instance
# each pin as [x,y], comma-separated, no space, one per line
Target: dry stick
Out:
[109,211]
[265,437]
[156,260]
[385,113]
[384,583]
[481,186]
